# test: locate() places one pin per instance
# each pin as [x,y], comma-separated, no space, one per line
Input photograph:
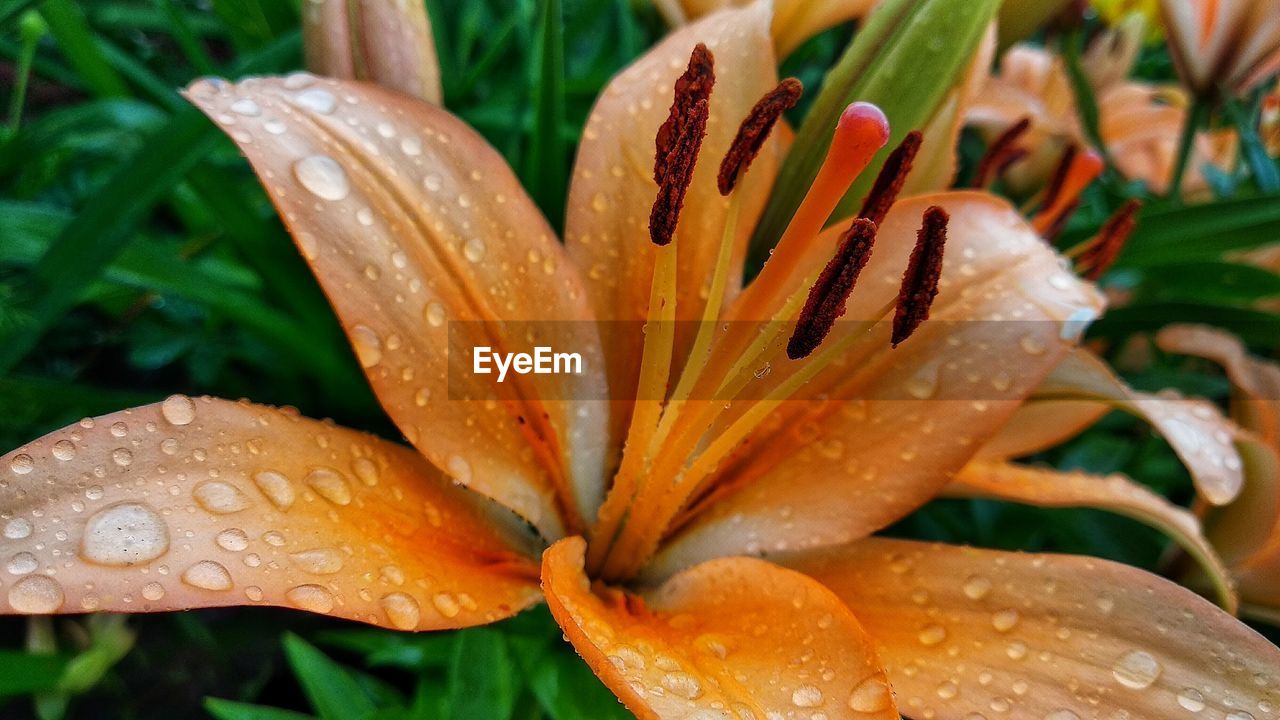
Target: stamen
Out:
[1100,253]
[1074,173]
[1210,20]
[891,179]
[1001,153]
[920,282]
[754,131]
[678,142]
[827,299]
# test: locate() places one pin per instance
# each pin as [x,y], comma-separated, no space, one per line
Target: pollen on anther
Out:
[1002,153]
[828,296]
[884,192]
[1102,252]
[755,130]
[924,270]
[678,142]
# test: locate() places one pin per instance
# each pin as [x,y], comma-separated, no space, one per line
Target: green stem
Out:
[1196,116]
[32,29]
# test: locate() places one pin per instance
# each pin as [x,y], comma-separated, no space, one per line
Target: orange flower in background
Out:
[1140,124]
[645,521]
[1246,532]
[1227,44]
[794,21]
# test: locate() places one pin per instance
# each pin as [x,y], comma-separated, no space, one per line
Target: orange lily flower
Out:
[651,551]
[794,21]
[1246,532]
[1139,123]
[1227,44]
[388,43]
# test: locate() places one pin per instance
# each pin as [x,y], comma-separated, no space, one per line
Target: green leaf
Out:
[1252,148]
[1203,232]
[481,679]
[1255,327]
[25,673]
[567,689]
[80,46]
[546,164]
[1209,282]
[333,692]
[905,59]
[228,710]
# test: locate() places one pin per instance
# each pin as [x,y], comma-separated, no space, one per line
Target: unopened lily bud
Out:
[387,42]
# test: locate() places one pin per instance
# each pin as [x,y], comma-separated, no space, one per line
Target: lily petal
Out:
[738,636]
[1255,402]
[207,503]
[613,189]
[967,632]
[794,22]
[428,247]
[1042,424]
[1195,429]
[901,422]
[1115,493]
[387,42]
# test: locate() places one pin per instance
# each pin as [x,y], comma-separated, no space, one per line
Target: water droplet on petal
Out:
[17,529]
[447,604]
[178,410]
[254,593]
[21,464]
[220,497]
[233,540]
[22,563]
[153,591]
[977,587]
[932,634]
[682,684]
[276,487]
[246,107]
[207,575]
[318,100]
[435,314]
[36,594]
[322,176]
[366,470]
[473,249]
[122,457]
[402,610]
[367,344]
[1136,669]
[64,450]
[330,485]
[1004,620]
[871,695]
[124,534]
[318,561]
[313,598]
[1191,699]
[807,696]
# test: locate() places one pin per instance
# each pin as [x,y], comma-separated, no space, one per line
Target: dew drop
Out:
[367,344]
[366,470]
[124,534]
[246,107]
[254,593]
[435,314]
[932,634]
[1191,699]
[330,485]
[1136,669]
[36,594]
[21,464]
[473,249]
[1004,620]
[276,487]
[318,561]
[1062,714]
[219,497]
[682,684]
[322,176]
[447,604]
[178,410]
[318,100]
[313,598]
[153,591]
[122,457]
[22,563]
[871,695]
[17,529]
[207,575]
[976,587]
[233,540]
[806,696]
[402,610]
[64,450]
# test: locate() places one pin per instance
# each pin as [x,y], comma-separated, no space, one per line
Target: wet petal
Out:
[1255,402]
[1115,493]
[902,421]
[613,189]
[1194,428]
[428,248]
[734,638]
[1042,424]
[387,42]
[967,633]
[795,21]
[196,502]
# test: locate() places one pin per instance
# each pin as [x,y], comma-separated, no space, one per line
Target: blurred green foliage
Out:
[139,257]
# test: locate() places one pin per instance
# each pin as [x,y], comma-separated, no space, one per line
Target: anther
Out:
[678,141]
[754,131]
[1075,171]
[884,192]
[1101,253]
[1002,153]
[924,270]
[827,298]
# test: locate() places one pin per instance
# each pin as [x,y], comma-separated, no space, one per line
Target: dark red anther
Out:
[1060,174]
[827,297]
[920,281]
[1103,250]
[678,142]
[754,131]
[884,192]
[1002,153]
